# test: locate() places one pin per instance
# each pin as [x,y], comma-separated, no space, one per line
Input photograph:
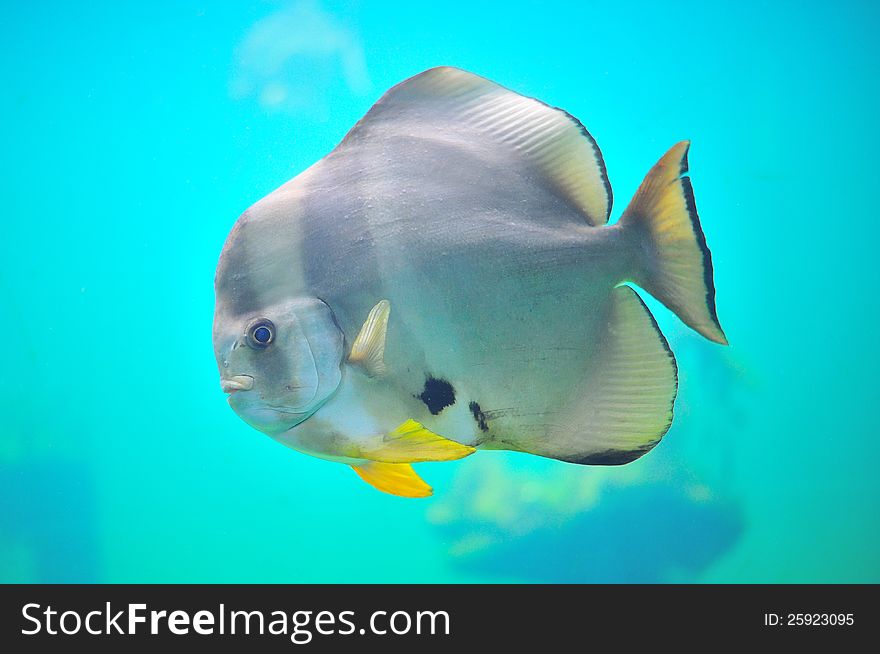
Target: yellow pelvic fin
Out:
[411,443]
[393,478]
[368,350]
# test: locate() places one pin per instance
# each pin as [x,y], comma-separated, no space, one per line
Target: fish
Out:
[446,280]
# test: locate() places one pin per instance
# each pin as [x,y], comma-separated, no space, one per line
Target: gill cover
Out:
[315,345]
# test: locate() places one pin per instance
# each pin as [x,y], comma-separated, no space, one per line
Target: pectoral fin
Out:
[412,442]
[368,350]
[393,478]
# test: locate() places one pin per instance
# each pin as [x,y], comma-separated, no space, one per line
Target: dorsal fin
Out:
[554,144]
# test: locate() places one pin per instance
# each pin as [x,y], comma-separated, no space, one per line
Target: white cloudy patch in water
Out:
[292,59]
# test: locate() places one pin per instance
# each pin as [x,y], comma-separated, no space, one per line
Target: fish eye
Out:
[260,333]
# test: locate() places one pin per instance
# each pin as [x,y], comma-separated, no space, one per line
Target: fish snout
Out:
[236,383]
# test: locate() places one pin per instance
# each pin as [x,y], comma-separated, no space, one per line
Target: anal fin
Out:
[623,406]
[393,478]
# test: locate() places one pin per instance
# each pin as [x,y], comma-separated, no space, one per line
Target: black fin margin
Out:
[708,270]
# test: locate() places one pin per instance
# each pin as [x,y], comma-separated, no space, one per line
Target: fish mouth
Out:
[236,383]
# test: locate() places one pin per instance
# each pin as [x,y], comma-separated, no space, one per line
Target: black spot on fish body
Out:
[437,394]
[479,416]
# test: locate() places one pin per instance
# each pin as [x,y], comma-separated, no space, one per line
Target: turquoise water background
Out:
[135,133]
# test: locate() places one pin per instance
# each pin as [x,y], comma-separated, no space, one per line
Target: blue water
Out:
[133,134]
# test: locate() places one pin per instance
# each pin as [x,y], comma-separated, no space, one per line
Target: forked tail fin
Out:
[674,264]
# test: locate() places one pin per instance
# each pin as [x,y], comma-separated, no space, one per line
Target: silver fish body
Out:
[479,217]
